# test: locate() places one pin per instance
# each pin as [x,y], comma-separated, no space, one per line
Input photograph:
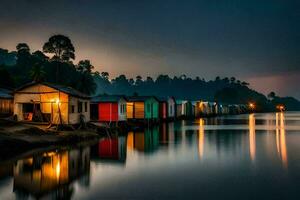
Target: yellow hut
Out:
[47,102]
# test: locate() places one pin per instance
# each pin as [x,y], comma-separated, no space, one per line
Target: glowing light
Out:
[280,108]
[57,171]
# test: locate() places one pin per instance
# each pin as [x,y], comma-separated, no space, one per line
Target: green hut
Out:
[143,107]
[152,108]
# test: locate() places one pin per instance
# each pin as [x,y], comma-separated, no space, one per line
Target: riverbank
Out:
[17,138]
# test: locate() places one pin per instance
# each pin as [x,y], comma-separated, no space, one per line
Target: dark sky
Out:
[256,40]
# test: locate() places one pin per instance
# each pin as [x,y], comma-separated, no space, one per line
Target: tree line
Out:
[55,64]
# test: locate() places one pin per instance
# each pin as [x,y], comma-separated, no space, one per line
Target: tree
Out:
[218,78]
[61,46]
[23,48]
[86,84]
[183,77]
[245,83]
[6,81]
[105,75]
[85,66]
[232,79]
[149,79]
[37,73]
[271,95]
[62,49]
[138,80]
[226,80]
[131,81]
[39,55]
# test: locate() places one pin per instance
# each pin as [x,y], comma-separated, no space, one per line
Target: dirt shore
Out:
[17,138]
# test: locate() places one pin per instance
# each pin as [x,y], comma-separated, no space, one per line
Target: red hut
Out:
[108,108]
[163,108]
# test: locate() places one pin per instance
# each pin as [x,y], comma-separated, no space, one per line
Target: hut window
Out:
[79,107]
[72,109]
[85,106]
[121,109]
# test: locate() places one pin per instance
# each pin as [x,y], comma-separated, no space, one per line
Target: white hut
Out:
[171,108]
[47,102]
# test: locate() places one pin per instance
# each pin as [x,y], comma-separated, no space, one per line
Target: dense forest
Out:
[55,64]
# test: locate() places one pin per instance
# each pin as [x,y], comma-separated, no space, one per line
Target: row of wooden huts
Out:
[51,103]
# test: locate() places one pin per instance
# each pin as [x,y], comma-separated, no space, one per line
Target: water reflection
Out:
[110,149]
[162,156]
[146,141]
[281,138]
[201,138]
[50,174]
[252,143]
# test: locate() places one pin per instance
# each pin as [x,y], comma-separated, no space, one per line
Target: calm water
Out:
[234,157]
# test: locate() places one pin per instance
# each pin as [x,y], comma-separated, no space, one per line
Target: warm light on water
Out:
[254,156]
[252,136]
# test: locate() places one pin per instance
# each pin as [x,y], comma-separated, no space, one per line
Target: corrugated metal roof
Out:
[5,94]
[68,90]
[107,98]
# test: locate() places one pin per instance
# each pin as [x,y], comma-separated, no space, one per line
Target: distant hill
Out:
[230,91]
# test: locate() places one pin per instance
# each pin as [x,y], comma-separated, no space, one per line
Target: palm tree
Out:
[37,73]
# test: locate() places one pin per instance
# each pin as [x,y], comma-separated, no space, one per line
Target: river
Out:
[253,156]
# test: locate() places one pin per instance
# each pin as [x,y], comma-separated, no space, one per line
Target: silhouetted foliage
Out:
[85,66]
[289,103]
[7,58]
[38,67]
[37,73]
[6,80]
[271,95]
[61,47]
[25,66]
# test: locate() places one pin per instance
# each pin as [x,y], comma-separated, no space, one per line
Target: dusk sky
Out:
[257,41]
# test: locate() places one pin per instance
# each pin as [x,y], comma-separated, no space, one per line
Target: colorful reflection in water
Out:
[281,138]
[50,173]
[170,161]
[201,138]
